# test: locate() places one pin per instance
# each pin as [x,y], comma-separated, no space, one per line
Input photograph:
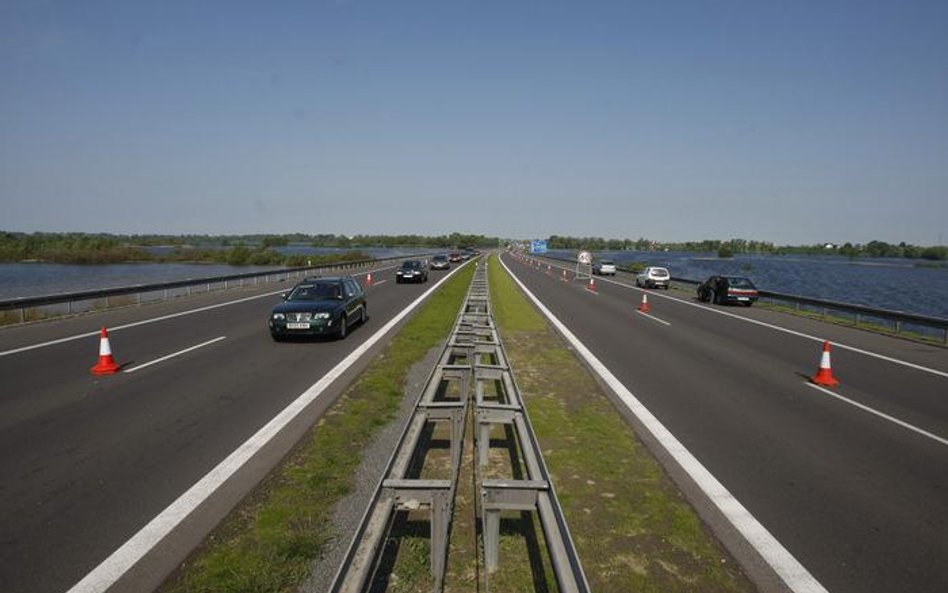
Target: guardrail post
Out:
[898,327]
[23,318]
[166,294]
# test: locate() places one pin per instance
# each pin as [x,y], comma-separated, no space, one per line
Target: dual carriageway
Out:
[853,484]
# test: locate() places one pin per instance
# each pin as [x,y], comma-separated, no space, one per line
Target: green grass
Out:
[633,529]
[270,541]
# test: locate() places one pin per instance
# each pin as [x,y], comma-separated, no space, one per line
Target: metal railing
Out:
[71,302]
[473,356]
[899,322]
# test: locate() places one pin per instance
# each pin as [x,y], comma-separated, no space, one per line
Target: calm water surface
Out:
[38,279]
[895,284]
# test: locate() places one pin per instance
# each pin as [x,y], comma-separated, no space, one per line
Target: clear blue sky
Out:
[793,121]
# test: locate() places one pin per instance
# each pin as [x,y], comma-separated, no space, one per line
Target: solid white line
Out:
[164,358]
[124,558]
[137,323]
[797,578]
[380,282]
[880,414]
[789,331]
[653,317]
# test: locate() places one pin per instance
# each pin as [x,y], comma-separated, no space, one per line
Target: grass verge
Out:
[267,544]
[633,529]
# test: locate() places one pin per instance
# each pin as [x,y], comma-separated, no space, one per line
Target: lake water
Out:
[894,284]
[40,279]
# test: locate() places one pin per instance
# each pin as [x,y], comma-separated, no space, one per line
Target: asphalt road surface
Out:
[858,495]
[87,461]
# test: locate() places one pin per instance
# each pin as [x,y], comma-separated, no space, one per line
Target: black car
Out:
[412,270]
[319,306]
[728,289]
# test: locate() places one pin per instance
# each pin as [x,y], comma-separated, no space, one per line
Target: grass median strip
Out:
[270,540]
[632,528]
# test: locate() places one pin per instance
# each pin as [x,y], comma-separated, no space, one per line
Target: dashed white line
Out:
[883,415]
[796,577]
[917,367]
[132,551]
[653,318]
[178,353]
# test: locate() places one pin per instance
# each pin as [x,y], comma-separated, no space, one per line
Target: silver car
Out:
[653,277]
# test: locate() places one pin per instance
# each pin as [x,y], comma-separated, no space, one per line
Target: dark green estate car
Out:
[319,306]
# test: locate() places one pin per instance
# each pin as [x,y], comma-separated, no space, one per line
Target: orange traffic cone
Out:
[824,376]
[592,285]
[106,364]
[644,308]
[368,279]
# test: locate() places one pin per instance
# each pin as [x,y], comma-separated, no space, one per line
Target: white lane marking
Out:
[178,353]
[125,557]
[880,414]
[137,323]
[790,331]
[797,578]
[653,317]
[380,282]
[146,321]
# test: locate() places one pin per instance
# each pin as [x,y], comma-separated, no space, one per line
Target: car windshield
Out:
[740,282]
[441,258]
[607,262]
[315,292]
[414,263]
[661,272]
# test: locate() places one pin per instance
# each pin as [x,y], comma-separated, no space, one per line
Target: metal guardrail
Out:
[472,355]
[859,314]
[167,289]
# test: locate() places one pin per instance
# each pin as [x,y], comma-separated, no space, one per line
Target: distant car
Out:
[455,257]
[728,289]
[440,262]
[412,270]
[604,267]
[319,306]
[652,277]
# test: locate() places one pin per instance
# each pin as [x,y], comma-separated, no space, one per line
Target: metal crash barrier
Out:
[473,356]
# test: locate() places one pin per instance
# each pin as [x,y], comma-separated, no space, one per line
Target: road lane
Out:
[860,501]
[90,460]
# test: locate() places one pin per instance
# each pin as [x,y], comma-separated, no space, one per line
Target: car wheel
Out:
[342,327]
[362,316]
[714,298]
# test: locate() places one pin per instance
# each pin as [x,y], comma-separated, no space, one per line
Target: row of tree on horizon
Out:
[258,249]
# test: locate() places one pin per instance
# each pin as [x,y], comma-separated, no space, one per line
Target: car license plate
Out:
[742,298]
[297,325]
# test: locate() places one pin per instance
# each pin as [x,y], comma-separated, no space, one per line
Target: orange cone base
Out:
[644,308]
[105,366]
[824,378]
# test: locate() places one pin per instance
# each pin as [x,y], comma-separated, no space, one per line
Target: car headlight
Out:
[279,316]
[321,315]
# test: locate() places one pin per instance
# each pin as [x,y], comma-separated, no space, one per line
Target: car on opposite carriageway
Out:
[319,306]
[721,290]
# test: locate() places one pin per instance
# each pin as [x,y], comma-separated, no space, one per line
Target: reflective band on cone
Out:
[824,376]
[106,364]
[644,308]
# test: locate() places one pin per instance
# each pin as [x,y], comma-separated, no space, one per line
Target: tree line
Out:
[258,249]
[729,247]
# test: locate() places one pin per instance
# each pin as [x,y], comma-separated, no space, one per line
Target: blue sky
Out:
[796,122]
